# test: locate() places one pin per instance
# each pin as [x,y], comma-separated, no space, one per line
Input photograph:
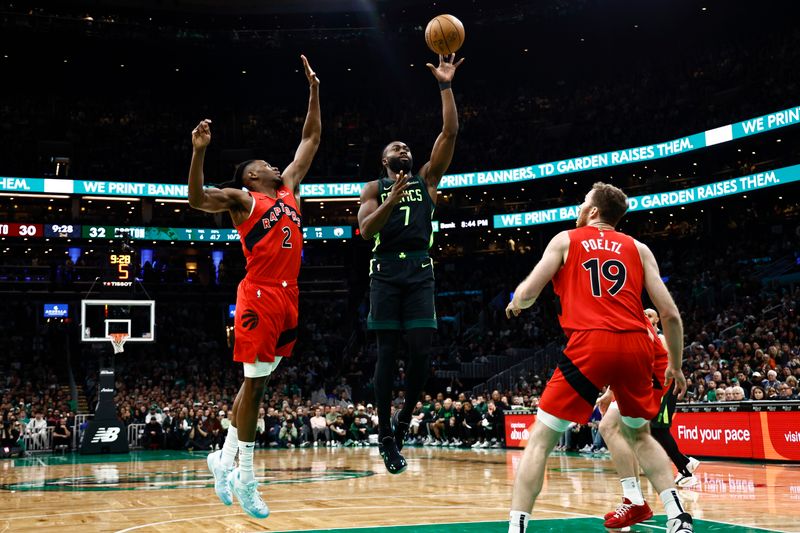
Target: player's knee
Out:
[608,426]
[254,389]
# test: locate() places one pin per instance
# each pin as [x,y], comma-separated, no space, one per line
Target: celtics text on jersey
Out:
[409,227]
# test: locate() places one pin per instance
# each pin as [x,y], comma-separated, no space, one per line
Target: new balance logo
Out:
[249,319]
[105,435]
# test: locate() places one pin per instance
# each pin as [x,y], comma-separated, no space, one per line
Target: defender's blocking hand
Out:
[310,74]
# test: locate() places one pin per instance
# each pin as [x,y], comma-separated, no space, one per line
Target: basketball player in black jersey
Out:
[396,212]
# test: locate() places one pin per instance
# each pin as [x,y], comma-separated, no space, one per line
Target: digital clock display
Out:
[63,231]
[121,265]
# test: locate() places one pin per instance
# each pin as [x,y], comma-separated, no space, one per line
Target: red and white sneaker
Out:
[627,514]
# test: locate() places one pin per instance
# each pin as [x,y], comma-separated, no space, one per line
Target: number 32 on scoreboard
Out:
[123,262]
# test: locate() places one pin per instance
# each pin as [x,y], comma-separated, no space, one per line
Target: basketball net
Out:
[118,341]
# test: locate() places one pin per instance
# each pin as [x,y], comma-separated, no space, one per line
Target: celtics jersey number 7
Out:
[409,226]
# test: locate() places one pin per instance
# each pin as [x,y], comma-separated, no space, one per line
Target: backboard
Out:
[101,318]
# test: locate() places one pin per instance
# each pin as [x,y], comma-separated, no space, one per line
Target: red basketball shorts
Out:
[659,373]
[594,359]
[265,324]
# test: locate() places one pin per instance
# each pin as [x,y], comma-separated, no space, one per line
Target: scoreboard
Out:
[201,234]
[121,265]
[21,230]
[153,233]
[64,231]
[159,233]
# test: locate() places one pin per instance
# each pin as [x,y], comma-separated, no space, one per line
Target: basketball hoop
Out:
[118,341]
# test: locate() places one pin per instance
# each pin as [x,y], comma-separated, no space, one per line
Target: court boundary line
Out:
[574,515]
[152,524]
[571,514]
[165,507]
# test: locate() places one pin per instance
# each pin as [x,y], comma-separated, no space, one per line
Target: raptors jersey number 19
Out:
[600,285]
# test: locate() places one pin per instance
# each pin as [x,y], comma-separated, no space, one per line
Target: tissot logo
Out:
[106,372]
[249,319]
[106,390]
[106,435]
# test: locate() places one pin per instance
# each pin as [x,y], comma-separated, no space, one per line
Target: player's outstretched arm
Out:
[210,200]
[670,316]
[526,293]
[312,130]
[445,145]
[372,217]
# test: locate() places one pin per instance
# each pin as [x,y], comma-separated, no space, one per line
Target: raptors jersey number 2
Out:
[267,299]
[272,237]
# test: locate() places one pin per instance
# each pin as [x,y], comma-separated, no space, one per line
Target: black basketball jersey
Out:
[409,228]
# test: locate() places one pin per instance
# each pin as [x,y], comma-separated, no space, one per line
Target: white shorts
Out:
[260,369]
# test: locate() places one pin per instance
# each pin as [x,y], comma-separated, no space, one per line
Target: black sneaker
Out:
[400,432]
[680,524]
[395,463]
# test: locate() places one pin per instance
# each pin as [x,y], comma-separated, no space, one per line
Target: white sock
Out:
[632,490]
[672,503]
[230,448]
[246,461]
[518,522]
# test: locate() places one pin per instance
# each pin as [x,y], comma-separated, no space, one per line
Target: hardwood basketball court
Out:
[348,490]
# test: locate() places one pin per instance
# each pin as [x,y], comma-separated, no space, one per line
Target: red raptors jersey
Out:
[272,238]
[600,285]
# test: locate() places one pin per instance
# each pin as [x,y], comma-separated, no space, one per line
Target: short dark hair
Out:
[610,201]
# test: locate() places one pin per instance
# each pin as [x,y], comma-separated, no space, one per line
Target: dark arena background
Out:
[690,107]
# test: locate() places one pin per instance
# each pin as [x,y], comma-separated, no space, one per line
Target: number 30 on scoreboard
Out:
[123,262]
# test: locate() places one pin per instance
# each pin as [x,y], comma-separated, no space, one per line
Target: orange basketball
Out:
[444,34]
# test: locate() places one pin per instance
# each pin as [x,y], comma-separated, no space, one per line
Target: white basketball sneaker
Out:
[223,479]
[249,498]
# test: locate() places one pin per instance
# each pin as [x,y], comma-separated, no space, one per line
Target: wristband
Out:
[444,85]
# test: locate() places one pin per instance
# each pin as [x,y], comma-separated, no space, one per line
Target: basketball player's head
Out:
[603,204]
[652,316]
[255,175]
[397,157]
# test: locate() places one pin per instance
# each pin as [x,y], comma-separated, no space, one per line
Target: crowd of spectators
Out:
[742,344]
[324,420]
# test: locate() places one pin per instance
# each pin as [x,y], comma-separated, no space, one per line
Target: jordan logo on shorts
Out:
[249,319]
